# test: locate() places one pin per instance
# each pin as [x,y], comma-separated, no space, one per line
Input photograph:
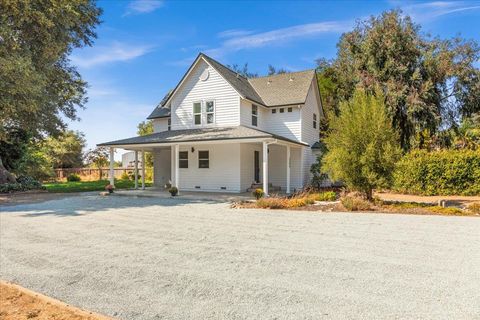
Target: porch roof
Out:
[199,134]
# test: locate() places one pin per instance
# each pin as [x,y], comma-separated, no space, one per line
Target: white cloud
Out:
[143,6]
[278,36]
[427,11]
[116,52]
[234,33]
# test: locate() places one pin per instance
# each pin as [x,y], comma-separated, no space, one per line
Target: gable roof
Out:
[270,91]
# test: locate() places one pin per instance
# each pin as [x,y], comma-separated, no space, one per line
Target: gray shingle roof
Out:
[200,134]
[160,110]
[283,89]
[276,90]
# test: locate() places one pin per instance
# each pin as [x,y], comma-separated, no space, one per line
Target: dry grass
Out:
[474,208]
[20,303]
[355,203]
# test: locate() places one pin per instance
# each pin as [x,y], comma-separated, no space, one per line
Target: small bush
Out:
[355,203]
[445,172]
[73,177]
[324,196]
[272,203]
[258,193]
[125,176]
[449,211]
[173,191]
[474,207]
[23,183]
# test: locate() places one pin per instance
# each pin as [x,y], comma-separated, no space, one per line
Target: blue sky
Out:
[144,47]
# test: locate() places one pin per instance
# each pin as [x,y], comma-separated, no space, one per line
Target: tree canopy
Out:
[40,88]
[427,82]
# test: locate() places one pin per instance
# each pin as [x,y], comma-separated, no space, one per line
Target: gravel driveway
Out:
[148,258]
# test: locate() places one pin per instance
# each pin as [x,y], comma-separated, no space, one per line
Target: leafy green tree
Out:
[362,145]
[272,70]
[39,87]
[144,128]
[99,158]
[66,150]
[425,81]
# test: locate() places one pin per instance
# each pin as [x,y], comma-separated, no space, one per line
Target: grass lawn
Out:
[89,185]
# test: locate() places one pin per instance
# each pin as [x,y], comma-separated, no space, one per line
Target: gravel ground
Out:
[150,258]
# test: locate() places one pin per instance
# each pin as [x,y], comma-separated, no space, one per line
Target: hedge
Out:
[445,172]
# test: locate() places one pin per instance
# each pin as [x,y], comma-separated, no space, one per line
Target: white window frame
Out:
[180,159]
[200,159]
[314,121]
[211,112]
[197,113]
[255,115]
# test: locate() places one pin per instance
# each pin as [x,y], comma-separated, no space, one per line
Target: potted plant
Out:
[173,191]
[109,188]
[258,193]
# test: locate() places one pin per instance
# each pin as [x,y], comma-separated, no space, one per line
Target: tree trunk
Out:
[5,176]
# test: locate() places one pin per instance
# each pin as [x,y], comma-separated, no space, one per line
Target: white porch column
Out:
[177,166]
[143,169]
[265,167]
[288,169]
[136,170]
[112,172]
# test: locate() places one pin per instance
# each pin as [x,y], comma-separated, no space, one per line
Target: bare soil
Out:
[17,302]
[34,196]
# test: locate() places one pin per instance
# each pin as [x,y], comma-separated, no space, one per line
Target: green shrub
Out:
[448,211]
[173,191]
[125,176]
[445,172]
[355,203]
[324,196]
[258,193]
[73,177]
[23,183]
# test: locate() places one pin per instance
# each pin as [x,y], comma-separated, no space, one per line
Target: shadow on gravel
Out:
[82,205]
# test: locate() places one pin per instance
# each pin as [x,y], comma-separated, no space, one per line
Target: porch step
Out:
[260,186]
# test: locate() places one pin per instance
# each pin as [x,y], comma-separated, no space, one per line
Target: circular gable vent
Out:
[204,75]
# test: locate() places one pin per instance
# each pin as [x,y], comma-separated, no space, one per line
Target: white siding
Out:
[227,100]
[161,167]
[160,125]
[310,134]
[277,167]
[223,171]
[285,124]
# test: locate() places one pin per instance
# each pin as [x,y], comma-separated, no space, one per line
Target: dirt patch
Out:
[34,196]
[19,303]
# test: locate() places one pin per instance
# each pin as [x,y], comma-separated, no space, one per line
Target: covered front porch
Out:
[229,163]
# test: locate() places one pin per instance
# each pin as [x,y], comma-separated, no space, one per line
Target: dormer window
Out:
[315,121]
[254,115]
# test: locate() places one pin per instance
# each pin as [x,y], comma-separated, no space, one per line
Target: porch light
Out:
[193,149]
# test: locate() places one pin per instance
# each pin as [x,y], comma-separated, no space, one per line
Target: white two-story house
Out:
[219,131]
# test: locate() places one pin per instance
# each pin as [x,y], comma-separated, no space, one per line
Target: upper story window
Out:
[205,114]
[169,124]
[210,111]
[274,110]
[314,120]
[183,159]
[290,109]
[282,110]
[197,113]
[203,159]
[254,115]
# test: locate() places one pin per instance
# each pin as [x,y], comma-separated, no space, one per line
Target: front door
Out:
[256,166]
